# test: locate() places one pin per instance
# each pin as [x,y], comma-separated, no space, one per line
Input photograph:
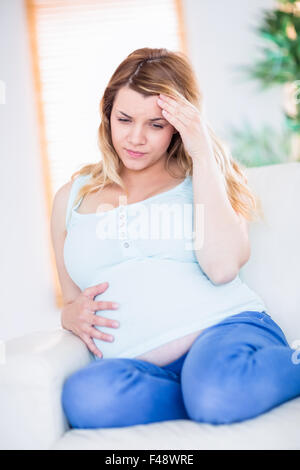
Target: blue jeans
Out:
[235,370]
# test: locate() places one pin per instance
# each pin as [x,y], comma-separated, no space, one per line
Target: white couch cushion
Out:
[273,270]
[278,429]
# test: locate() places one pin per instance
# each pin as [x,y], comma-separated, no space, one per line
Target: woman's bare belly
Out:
[171,351]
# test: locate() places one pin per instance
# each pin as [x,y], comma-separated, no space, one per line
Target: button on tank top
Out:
[145,251]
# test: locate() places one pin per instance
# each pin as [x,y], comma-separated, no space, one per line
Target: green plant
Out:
[281,62]
[279,65]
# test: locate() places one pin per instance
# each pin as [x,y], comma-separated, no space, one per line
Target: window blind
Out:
[79,44]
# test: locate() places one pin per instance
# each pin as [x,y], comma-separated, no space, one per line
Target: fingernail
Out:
[115,305]
[116,324]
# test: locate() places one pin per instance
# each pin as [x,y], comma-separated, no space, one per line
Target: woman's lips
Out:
[135,154]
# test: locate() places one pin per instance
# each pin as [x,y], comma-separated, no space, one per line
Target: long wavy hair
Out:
[151,72]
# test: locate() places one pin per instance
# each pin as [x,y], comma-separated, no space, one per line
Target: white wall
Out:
[219,37]
[27,298]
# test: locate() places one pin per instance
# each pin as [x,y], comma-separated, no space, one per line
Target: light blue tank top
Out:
[144,250]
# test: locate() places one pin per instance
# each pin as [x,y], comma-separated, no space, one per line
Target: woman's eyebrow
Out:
[154,119]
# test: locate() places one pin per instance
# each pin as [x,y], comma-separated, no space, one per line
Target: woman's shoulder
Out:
[59,207]
[62,195]
[72,185]
[65,195]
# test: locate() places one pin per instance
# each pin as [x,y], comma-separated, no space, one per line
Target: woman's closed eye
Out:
[157,126]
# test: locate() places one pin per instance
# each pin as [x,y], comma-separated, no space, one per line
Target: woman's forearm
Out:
[221,245]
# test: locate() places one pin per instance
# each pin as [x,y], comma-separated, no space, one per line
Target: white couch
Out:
[34,367]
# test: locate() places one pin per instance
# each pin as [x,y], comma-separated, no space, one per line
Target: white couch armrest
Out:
[32,373]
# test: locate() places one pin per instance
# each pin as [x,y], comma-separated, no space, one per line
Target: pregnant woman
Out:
[160,226]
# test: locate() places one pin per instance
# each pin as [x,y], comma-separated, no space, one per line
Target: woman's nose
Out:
[136,135]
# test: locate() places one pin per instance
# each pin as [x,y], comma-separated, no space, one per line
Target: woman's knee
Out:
[212,404]
[87,392]
[215,388]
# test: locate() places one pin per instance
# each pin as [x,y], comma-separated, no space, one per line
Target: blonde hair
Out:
[151,72]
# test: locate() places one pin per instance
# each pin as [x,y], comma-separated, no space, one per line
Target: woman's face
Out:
[137,124]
